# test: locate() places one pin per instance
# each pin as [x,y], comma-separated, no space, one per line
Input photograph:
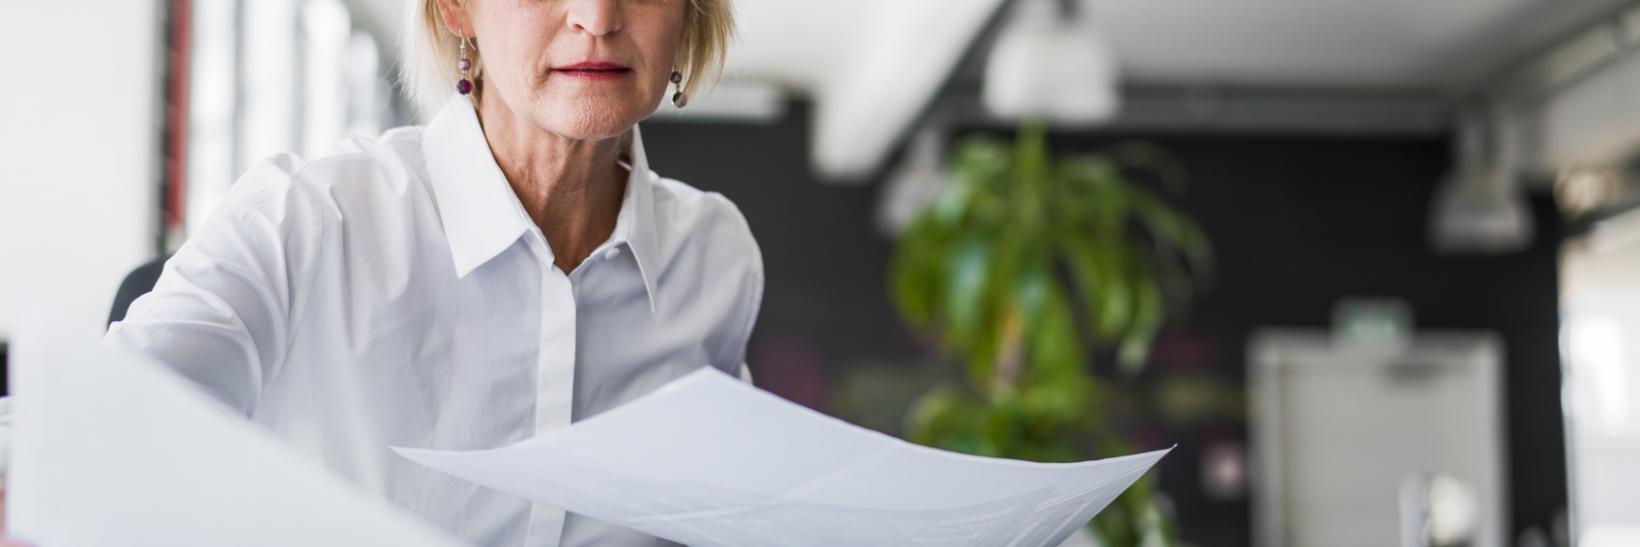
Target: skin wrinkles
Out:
[556,137]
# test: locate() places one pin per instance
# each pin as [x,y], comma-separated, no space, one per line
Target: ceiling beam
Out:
[894,71]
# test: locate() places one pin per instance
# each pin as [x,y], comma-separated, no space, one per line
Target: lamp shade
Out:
[1046,66]
[1480,212]
[1479,207]
[916,182]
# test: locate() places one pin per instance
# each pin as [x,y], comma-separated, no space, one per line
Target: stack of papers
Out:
[113,450]
[710,461]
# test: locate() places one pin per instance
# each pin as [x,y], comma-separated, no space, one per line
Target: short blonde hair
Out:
[429,51]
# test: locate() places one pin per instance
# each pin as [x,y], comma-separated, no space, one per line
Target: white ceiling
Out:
[1377,43]
[871,66]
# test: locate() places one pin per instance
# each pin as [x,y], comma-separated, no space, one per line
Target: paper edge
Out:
[711,374]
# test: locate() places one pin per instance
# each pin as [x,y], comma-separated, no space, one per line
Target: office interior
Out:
[1408,322]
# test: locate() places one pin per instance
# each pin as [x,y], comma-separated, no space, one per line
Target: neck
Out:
[571,188]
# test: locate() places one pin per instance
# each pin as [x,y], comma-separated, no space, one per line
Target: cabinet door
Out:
[1339,432]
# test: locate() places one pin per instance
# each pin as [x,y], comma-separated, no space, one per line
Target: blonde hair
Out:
[429,51]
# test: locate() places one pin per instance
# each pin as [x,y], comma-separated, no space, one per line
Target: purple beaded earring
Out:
[678,99]
[464,85]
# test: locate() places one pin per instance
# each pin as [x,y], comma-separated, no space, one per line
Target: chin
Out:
[589,117]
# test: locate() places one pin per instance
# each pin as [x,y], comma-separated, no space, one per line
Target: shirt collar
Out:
[481,214]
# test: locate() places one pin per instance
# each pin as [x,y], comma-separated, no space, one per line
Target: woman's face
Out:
[583,69]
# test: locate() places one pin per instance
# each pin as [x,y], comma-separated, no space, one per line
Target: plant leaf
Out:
[1148,313]
[1100,272]
[915,278]
[1173,229]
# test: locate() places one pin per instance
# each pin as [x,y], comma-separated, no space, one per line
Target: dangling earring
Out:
[678,99]
[464,85]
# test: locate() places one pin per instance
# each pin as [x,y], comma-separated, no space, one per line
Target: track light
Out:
[1051,61]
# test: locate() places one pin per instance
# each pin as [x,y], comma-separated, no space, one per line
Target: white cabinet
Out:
[1373,446]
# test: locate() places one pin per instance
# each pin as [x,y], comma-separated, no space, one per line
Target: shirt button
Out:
[611,253]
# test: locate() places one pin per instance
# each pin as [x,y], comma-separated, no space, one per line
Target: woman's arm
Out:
[222,312]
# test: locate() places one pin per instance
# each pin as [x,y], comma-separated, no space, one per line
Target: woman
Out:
[510,268]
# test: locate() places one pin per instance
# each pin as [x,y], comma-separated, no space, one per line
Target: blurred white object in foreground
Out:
[112,450]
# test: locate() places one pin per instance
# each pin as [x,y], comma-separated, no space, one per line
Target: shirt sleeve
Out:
[222,311]
[743,251]
[754,304]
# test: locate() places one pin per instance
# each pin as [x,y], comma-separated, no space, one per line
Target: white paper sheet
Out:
[112,450]
[710,461]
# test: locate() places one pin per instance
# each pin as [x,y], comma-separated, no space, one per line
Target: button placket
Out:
[555,381]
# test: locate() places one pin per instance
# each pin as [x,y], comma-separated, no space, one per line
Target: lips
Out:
[593,70]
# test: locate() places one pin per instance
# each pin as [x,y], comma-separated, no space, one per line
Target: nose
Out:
[595,17]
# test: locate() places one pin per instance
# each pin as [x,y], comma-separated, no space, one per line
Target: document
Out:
[109,449]
[710,461]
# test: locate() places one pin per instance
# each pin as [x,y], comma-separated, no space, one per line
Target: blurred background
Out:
[1372,265]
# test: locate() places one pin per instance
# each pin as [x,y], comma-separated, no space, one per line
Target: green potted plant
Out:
[1023,267]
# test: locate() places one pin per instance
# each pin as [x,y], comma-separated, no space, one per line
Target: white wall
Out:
[1600,307]
[78,154]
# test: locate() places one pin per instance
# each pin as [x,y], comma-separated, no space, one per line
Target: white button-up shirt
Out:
[396,293]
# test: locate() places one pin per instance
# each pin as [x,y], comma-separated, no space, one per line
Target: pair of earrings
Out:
[465,85]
